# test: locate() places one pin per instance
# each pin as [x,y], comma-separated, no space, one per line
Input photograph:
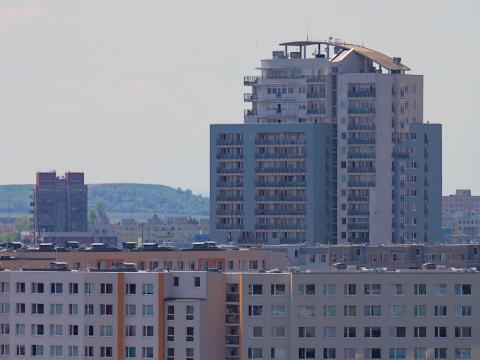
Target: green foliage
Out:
[118,198]
[22,224]
[101,212]
[92,217]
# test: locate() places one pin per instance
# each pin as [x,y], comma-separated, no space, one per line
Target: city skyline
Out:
[130,70]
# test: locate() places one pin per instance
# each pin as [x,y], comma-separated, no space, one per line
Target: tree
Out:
[22,224]
[92,217]
[101,212]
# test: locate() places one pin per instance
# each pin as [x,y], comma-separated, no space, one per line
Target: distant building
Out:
[59,204]
[462,200]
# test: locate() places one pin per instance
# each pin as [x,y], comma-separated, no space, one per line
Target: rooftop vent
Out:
[59,266]
[339,266]
[429,266]
[397,60]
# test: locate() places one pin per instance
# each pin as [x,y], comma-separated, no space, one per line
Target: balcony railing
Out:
[248,97]
[229,156]
[351,141]
[357,127]
[361,110]
[230,184]
[315,95]
[232,340]
[315,78]
[316,111]
[286,212]
[229,170]
[267,198]
[358,226]
[232,319]
[250,80]
[362,93]
[362,198]
[358,212]
[362,184]
[356,170]
[230,142]
[289,155]
[280,226]
[230,198]
[232,297]
[293,184]
[229,227]
[360,155]
[230,212]
[279,170]
[296,141]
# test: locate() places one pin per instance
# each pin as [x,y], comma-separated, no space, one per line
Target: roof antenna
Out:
[307,30]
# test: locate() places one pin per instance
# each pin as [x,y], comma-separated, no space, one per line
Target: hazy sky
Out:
[126,90]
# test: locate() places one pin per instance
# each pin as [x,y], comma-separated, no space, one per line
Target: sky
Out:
[125,90]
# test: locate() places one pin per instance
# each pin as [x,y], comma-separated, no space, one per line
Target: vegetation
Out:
[118,198]
[21,224]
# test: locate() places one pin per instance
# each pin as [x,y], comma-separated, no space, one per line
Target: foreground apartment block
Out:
[381,181]
[351,314]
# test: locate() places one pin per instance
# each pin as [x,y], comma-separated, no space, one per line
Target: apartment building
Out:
[59,204]
[461,201]
[383,162]
[333,314]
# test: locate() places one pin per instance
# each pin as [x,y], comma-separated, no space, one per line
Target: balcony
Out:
[280,226]
[232,297]
[279,155]
[231,198]
[229,212]
[315,78]
[361,110]
[248,97]
[357,127]
[230,142]
[356,212]
[351,141]
[356,170]
[360,183]
[232,340]
[358,226]
[229,226]
[296,141]
[250,80]
[282,184]
[232,319]
[362,93]
[279,112]
[234,156]
[229,170]
[280,170]
[316,111]
[280,198]
[230,184]
[358,198]
[284,212]
[315,95]
[360,155]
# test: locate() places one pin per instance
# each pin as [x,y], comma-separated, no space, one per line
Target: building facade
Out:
[59,204]
[384,163]
[333,314]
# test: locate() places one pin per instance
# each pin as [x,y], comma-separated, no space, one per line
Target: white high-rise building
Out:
[382,181]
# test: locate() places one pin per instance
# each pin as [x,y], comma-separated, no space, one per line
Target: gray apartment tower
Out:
[59,204]
[333,150]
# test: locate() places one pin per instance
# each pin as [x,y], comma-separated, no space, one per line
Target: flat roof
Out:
[376,56]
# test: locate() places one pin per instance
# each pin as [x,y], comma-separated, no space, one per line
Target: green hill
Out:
[118,198]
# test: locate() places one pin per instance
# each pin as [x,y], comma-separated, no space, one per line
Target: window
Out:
[398,289]
[440,331]
[38,330]
[106,330]
[255,289]
[255,331]
[197,281]
[419,310]
[106,309]
[306,332]
[255,310]
[56,288]
[463,331]
[73,351]
[349,310]
[56,350]
[398,310]
[89,309]
[190,312]
[88,288]
[20,329]
[88,351]
[72,309]
[56,309]
[329,310]
[372,310]
[72,330]
[463,289]
[278,310]
[373,289]
[106,288]
[306,310]
[171,312]
[329,289]
[56,330]
[4,287]
[329,353]
[89,330]
[189,353]
[147,330]
[20,308]
[21,350]
[440,310]
[38,309]
[147,352]
[440,354]
[147,310]
[170,333]
[306,353]
[440,289]
[20,287]
[5,308]
[278,331]
[255,353]
[398,331]
[350,332]
[372,331]
[130,352]
[329,331]
[189,336]
[420,331]
[130,309]
[420,289]
[397,353]
[147,289]
[463,310]
[4,329]
[38,288]
[106,351]
[130,289]
[36,350]
[176,281]
[463,354]
[277,289]
[73,288]
[350,289]
[350,354]
[306,289]
[130,330]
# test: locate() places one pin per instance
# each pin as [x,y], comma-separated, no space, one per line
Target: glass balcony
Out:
[230,184]
[232,297]
[289,155]
[229,170]
[362,93]
[224,198]
[367,127]
[230,156]
[360,155]
[358,226]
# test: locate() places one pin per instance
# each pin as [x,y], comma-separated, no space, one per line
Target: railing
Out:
[358,226]
[361,127]
[280,198]
[232,357]
[352,183]
[358,212]
[360,155]
[289,170]
[229,227]
[229,156]
[232,319]
[250,97]
[315,78]
[315,95]
[280,141]
[280,184]
[289,155]
[356,170]
[362,93]
[279,226]
[358,198]
[250,80]
[232,340]
[229,170]
[361,141]
[231,142]
[316,111]
[230,184]
[286,212]
[232,297]
[230,212]
[366,110]
[230,198]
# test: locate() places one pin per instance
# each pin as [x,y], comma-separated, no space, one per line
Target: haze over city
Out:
[127,93]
